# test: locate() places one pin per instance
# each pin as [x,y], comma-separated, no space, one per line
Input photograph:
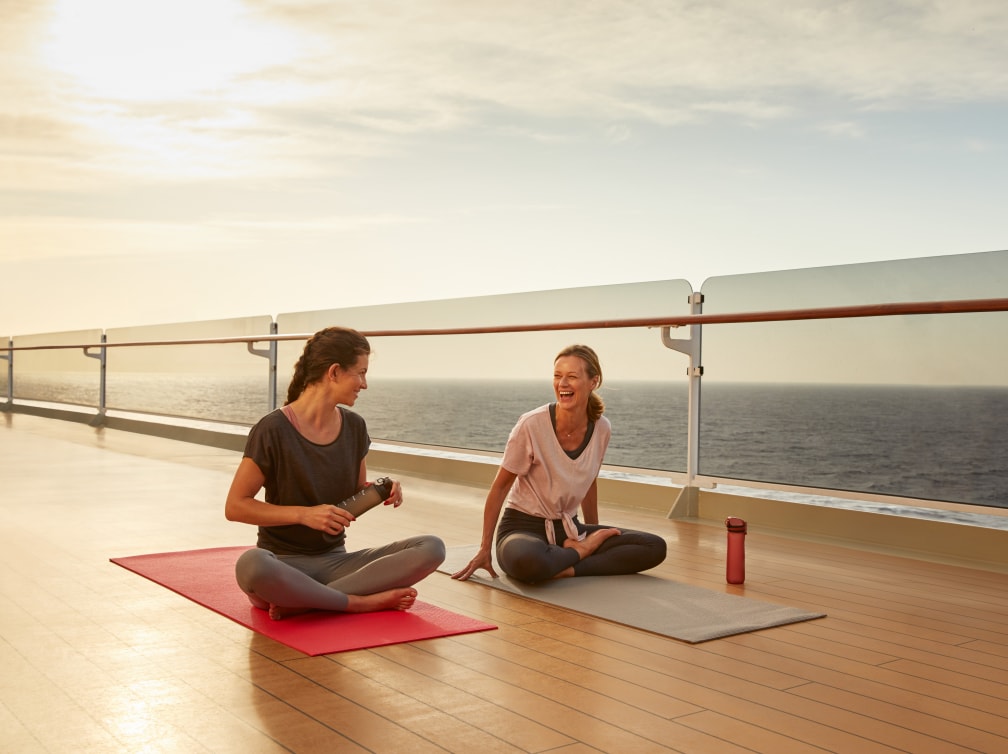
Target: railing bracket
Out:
[99,419]
[686,504]
[270,354]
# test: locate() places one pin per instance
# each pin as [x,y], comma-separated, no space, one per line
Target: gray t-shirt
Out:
[300,472]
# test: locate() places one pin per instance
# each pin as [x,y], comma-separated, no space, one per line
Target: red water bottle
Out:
[735,569]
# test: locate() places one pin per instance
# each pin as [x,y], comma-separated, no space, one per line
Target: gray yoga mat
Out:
[682,611]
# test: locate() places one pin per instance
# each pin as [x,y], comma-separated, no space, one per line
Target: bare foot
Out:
[592,542]
[393,599]
[276,612]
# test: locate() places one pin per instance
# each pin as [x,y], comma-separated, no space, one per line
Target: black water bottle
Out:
[368,498]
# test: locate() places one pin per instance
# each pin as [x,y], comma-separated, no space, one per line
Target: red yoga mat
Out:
[207,578]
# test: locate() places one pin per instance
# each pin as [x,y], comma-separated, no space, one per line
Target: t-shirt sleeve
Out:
[259,447]
[518,452]
[363,438]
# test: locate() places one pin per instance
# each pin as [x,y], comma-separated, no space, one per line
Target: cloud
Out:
[228,90]
[327,225]
[844,129]
[283,96]
[983,146]
[654,58]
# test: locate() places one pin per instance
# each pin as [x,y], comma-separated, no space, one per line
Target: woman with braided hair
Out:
[310,455]
[549,470]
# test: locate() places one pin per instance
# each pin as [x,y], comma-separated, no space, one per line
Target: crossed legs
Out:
[603,552]
[380,578]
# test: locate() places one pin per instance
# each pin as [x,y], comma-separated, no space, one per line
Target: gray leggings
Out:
[322,582]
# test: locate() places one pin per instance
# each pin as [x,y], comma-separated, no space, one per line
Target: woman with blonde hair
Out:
[549,470]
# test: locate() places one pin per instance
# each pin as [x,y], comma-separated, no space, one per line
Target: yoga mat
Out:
[207,578]
[681,611]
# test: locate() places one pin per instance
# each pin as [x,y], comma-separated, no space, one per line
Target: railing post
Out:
[9,358]
[274,329]
[687,503]
[99,420]
[269,353]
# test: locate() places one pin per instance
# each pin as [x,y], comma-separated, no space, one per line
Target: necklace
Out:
[576,431]
[562,434]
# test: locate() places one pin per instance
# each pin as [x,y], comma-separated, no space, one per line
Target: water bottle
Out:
[368,498]
[735,568]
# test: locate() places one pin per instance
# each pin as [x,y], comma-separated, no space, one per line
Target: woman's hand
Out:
[395,498]
[491,512]
[482,560]
[328,518]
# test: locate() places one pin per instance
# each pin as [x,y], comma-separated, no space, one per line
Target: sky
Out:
[182,160]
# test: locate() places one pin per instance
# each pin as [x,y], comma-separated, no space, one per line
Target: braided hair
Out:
[333,345]
[596,407]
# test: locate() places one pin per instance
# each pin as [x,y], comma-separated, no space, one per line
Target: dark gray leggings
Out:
[322,582]
[530,558]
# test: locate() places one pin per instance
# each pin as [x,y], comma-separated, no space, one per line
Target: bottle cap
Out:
[736,524]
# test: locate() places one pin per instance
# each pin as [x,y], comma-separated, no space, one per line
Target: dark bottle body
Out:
[369,497]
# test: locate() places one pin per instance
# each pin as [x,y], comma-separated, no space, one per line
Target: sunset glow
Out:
[307,141]
[161,52]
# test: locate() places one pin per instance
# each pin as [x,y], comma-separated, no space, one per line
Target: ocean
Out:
[932,443]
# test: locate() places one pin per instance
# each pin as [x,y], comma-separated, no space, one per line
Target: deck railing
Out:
[264,345]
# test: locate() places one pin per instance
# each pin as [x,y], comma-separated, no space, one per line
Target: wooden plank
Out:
[913,655]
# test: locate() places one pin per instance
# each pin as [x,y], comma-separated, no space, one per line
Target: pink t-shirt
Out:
[550,483]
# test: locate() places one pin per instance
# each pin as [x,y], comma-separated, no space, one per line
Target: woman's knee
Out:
[651,547]
[252,566]
[660,549]
[523,563]
[432,547]
[524,568]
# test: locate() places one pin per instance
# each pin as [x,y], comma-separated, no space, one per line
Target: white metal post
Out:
[270,354]
[9,358]
[687,502]
[99,420]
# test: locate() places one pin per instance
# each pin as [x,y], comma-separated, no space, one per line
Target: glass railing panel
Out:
[218,382]
[467,391]
[4,367]
[912,406]
[56,376]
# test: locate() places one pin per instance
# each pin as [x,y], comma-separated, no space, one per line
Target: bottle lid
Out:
[736,524]
[384,486]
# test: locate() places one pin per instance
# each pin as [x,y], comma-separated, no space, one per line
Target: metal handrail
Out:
[965,306]
[689,346]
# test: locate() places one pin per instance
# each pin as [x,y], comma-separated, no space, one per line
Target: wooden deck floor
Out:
[913,656]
